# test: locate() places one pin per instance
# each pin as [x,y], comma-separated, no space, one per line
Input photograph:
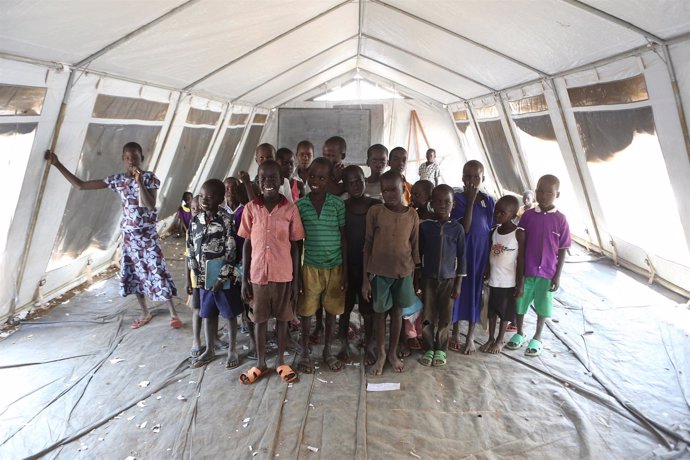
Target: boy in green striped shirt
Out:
[323,279]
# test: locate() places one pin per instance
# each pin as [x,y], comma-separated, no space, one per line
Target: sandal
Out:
[252,375]
[197,351]
[534,348]
[454,345]
[286,374]
[175,323]
[516,341]
[427,359]
[333,363]
[439,358]
[200,362]
[141,322]
[413,344]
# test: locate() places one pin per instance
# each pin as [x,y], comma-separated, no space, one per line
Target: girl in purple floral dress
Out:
[143,270]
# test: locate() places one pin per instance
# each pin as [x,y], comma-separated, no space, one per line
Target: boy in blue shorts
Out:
[391,252]
[540,260]
[210,237]
[324,270]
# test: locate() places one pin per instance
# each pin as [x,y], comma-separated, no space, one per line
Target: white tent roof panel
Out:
[550,35]
[663,18]
[281,55]
[71,30]
[209,34]
[433,43]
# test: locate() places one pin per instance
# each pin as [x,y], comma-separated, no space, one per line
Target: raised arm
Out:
[147,196]
[74,180]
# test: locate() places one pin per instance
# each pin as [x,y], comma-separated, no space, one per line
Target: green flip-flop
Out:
[516,341]
[534,348]
[427,359]
[440,358]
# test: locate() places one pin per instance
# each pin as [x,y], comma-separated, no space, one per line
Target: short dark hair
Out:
[553,179]
[284,151]
[190,194]
[133,146]
[427,184]
[305,143]
[321,161]
[512,200]
[431,151]
[443,188]
[268,164]
[392,174]
[376,148]
[350,170]
[339,141]
[396,149]
[268,146]
[474,164]
[215,186]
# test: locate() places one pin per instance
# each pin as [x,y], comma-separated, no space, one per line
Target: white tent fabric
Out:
[462,65]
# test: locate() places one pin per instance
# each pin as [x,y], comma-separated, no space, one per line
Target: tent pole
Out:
[240,145]
[216,134]
[337,77]
[678,98]
[518,151]
[304,61]
[167,132]
[429,61]
[474,123]
[265,44]
[578,167]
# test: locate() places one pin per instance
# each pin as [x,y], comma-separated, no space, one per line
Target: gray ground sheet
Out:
[612,382]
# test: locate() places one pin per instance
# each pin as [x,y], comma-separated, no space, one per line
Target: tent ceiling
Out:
[267,52]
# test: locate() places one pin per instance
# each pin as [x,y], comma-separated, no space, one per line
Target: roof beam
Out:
[429,61]
[360,27]
[86,61]
[313,75]
[337,77]
[412,76]
[304,61]
[462,37]
[615,20]
[265,44]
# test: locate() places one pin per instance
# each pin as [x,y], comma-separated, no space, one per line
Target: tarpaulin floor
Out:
[612,382]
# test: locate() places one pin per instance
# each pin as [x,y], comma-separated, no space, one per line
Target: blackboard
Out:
[317,125]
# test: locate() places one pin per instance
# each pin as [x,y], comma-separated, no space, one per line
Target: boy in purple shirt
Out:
[543,237]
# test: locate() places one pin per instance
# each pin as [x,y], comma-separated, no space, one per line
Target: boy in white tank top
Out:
[502,270]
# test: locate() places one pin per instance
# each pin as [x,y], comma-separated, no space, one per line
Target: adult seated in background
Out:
[143,271]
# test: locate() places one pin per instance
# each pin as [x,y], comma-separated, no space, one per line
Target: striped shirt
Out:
[322,245]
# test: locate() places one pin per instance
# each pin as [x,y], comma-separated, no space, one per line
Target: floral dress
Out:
[142,266]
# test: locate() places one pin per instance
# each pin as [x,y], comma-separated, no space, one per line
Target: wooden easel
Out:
[416,128]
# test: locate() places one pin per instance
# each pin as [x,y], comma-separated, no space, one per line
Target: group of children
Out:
[323,237]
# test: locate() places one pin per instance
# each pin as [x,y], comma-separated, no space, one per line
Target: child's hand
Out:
[244,177]
[519,289]
[456,288]
[51,157]
[300,284]
[188,288]
[555,283]
[471,192]
[366,289]
[217,286]
[247,293]
[138,175]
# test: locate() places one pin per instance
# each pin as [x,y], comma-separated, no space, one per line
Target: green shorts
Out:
[387,292]
[536,291]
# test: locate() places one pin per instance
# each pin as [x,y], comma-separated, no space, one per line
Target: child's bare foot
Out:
[305,365]
[469,347]
[370,356]
[396,362]
[403,350]
[377,368]
[345,353]
[454,345]
[232,361]
[333,363]
[487,346]
[496,347]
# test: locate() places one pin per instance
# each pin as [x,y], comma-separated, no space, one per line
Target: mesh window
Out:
[250,144]
[91,219]
[632,89]
[127,108]
[21,100]
[531,104]
[190,151]
[221,163]
[202,117]
[501,157]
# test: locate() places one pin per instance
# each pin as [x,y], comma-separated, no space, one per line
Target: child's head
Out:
[547,191]
[334,149]
[270,179]
[194,206]
[132,156]
[304,153]
[442,201]
[320,173]
[353,180]
[473,173]
[528,198]
[187,198]
[392,187]
[286,160]
[212,195]
[421,193]
[231,190]
[264,152]
[506,209]
[377,155]
[431,155]
[397,159]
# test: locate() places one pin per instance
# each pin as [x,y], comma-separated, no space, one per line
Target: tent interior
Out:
[596,92]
